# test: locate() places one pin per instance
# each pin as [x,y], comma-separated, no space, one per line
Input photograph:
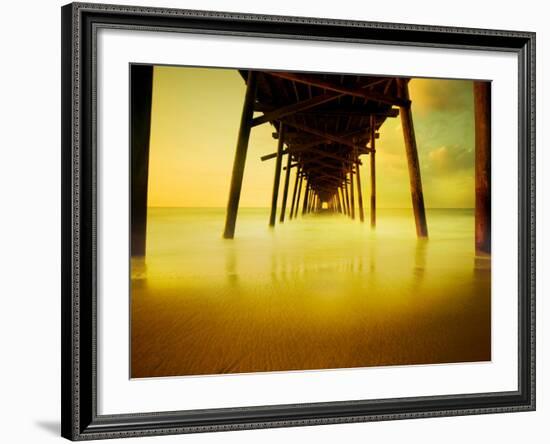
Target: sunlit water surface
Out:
[313,293]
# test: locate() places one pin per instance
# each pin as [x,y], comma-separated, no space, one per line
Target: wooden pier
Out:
[326,125]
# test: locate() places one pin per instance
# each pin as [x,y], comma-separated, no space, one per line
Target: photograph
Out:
[307,221]
[278,221]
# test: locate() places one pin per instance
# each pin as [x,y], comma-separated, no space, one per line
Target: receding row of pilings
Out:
[339,199]
[349,206]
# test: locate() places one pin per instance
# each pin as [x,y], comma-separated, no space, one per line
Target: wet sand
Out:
[316,293]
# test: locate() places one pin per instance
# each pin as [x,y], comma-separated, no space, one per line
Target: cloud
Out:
[436,95]
[450,159]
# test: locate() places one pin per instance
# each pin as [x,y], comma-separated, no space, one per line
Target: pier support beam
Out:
[306,197]
[372,173]
[141,94]
[287,180]
[240,156]
[294,193]
[352,193]
[277,178]
[482,110]
[347,195]
[413,163]
[360,194]
[299,194]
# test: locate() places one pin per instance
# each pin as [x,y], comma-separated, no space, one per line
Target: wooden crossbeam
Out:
[294,165]
[328,189]
[285,151]
[295,107]
[273,155]
[321,163]
[350,111]
[320,167]
[298,138]
[310,147]
[312,144]
[329,136]
[332,156]
[326,84]
[308,104]
[330,176]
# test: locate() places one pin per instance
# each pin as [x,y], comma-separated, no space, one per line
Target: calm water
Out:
[312,293]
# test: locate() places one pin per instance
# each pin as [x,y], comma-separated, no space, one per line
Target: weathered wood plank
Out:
[299,193]
[295,107]
[141,96]
[326,84]
[240,157]
[294,193]
[277,178]
[413,164]
[372,176]
[328,136]
[285,188]
[482,112]
[359,195]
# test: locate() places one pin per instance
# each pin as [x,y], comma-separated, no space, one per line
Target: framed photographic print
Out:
[280,221]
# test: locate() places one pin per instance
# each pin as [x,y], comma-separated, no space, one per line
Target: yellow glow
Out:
[195,121]
[317,292]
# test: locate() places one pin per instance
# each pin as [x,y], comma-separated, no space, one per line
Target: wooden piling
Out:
[287,180]
[240,156]
[413,163]
[306,198]
[141,95]
[372,172]
[347,195]
[352,193]
[359,194]
[338,201]
[277,178]
[344,207]
[299,193]
[482,111]
[294,192]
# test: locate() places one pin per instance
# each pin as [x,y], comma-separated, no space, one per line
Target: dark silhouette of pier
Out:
[326,126]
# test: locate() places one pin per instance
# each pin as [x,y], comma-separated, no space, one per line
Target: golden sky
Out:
[195,121]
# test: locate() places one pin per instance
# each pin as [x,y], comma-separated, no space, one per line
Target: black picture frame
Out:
[80,420]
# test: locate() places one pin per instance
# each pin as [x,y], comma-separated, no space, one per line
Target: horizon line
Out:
[267,208]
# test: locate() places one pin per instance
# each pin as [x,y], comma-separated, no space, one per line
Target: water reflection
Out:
[420,253]
[138,268]
[318,292]
[231,269]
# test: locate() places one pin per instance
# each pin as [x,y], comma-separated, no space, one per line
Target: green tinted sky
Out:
[195,121]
